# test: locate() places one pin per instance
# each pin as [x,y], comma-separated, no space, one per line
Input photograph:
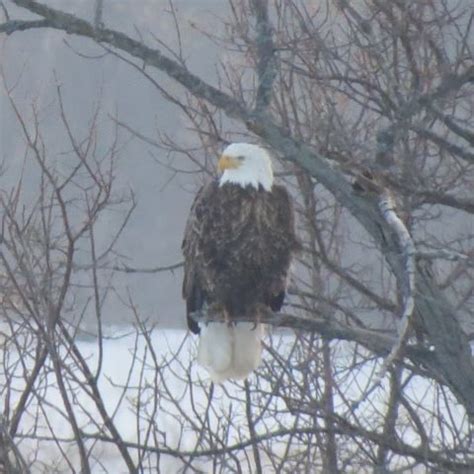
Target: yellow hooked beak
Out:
[227,162]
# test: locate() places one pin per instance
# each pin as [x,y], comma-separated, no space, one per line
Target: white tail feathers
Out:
[230,352]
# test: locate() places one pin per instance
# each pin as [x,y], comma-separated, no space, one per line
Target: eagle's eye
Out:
[241,158]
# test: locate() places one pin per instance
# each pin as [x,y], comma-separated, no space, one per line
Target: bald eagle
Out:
[238,245]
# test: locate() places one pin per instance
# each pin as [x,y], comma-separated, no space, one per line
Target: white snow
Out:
[128,362]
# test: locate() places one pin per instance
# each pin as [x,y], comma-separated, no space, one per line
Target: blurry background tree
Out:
[368,109]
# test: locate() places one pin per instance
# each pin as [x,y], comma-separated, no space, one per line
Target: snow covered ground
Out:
[120,368]
[126,362]
[163,365]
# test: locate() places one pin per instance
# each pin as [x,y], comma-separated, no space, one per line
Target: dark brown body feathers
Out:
[238,246]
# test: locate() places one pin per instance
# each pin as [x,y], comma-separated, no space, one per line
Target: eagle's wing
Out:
[285,216]
[197,221]
[286,243]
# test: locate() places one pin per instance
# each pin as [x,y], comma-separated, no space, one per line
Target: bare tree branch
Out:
[265,54]
[98,14]
[387,207]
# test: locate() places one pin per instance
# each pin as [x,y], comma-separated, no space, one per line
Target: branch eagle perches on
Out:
[376,341]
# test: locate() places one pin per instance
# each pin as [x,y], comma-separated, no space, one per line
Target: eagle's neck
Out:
[256,177]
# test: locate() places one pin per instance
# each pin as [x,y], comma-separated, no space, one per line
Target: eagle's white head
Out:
[246,165]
